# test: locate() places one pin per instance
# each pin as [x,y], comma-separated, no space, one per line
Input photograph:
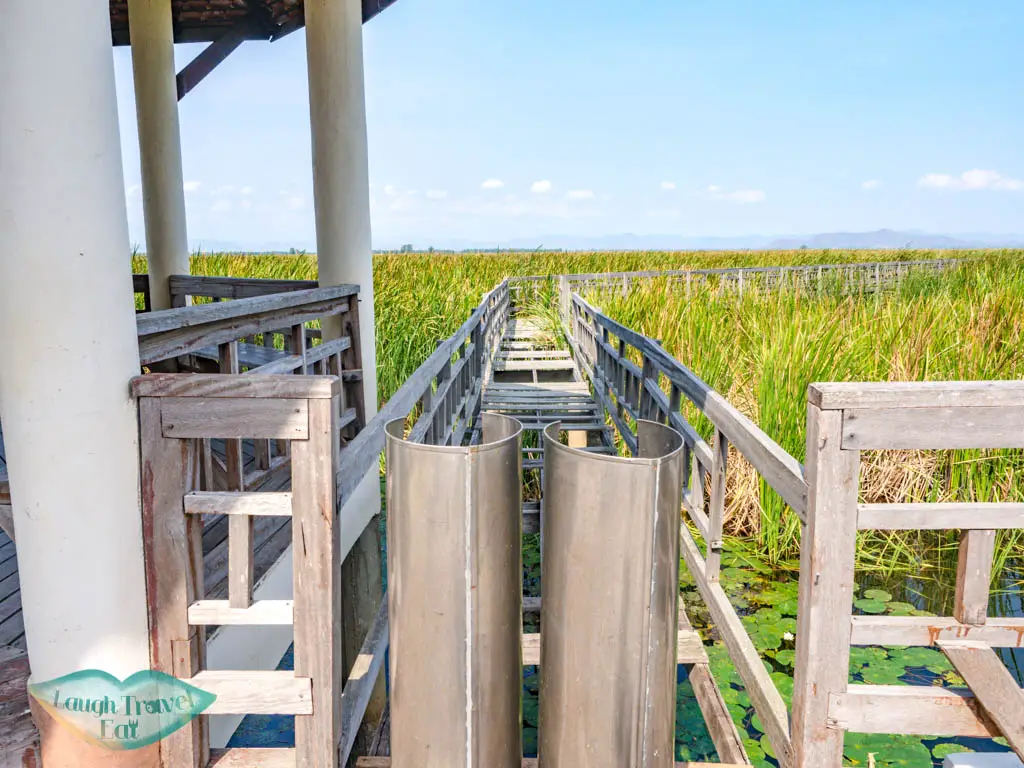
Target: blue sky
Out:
[491,120]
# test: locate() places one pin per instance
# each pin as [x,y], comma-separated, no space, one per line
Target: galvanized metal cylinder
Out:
[454,525]
[609,613]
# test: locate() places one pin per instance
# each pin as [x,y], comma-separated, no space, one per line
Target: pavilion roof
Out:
[197,21]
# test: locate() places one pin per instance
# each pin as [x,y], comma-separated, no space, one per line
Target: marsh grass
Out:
[762,350]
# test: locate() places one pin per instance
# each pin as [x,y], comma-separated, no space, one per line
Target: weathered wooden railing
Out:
[630,391]
[843,420]
[183,287]
[177,413]
[441,398]
[266,334]
[852,277]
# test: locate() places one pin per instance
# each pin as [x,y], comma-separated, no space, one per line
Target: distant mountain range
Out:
[880,239]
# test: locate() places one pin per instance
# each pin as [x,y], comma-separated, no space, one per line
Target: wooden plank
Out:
[287,419]
[282,757]
[200,314]
[911,710]
[762,691]
[317,574]
[828,546]
[261,612]
[249,355]
[917,394]
[973,576]
[170,576]
[252,692]
[213,385]
[363,680]
[689,650]
[929,630]
[936,517]
[993,685]
[941,428]
[234,287]
[190,338]
[294,362]
[277,504]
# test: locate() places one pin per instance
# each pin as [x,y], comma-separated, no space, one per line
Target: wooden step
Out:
[534,365]
[689,649]
[283,757]
[255,692]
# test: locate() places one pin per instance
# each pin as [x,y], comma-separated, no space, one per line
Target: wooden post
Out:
[827,551]
[973,576]
[171,568]
[716,516]
[240,527]
[316,553]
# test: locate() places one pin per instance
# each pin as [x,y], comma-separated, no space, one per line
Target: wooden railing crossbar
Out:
[927,415]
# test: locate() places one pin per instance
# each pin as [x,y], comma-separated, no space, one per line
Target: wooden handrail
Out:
[184,330]
[781,470]
[363,452]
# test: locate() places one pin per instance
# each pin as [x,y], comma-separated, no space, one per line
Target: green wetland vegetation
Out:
[761,350]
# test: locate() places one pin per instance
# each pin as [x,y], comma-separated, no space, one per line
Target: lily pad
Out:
[877,594]
[868,605]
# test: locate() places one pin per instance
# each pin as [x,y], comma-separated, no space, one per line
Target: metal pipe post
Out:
[454,525]
[609,615]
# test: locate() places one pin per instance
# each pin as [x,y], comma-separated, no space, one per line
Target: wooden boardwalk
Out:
[535,380]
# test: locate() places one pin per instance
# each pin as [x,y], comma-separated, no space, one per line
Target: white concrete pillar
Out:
[341,178]
[156,107]
[69,341]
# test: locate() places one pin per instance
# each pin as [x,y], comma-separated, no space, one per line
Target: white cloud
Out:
[492,184]
[581,194]
[740,196]
[245,205]
[389,190]
[192,186]
[970,181]
[668,186]
[246,190]
[436,194]
[871,184]
[224,189]
[221,206]
[540,187]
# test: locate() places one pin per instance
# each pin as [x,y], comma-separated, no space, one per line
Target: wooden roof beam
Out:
[202,65]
